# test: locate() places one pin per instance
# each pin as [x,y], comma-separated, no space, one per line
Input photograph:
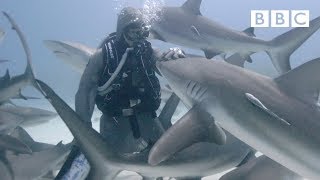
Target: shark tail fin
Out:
[302,82]
[284,45]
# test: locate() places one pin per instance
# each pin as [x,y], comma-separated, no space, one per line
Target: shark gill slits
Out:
[201,92]
[188,84]
[194,85]
[195,90]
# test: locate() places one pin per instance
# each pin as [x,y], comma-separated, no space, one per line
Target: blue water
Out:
[88,21]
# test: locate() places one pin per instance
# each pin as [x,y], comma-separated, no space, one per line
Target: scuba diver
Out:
[120,79]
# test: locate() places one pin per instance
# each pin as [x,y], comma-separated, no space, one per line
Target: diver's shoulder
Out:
[96,58]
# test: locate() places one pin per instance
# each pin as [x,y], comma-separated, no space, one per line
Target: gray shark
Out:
[24,137]
[262,168]
[187,27]
[11,117]
[199,160]
[37,164]
[75,54]
[13,144]
[278,117]
[8,122]
[31,116]
[11,86]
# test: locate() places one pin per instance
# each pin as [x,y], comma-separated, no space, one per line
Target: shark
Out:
[198,160]
[45,158]
[8,122]
[24,137]
[186,26]
[11,86]
[30,115]
[262,168]
[73,53]
[37,164]
[13,144]
[276,116]
[12,117]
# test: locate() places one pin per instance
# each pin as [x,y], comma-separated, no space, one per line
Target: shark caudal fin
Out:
[284,45]
[302,82]
[28,72]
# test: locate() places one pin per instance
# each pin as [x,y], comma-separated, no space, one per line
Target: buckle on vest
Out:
[116,87]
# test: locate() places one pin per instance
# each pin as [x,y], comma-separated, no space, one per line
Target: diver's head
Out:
[131,25]
[135,33]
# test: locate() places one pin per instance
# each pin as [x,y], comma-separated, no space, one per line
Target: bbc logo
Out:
[280,18]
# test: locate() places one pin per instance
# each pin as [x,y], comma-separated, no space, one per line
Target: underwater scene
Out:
[159,89]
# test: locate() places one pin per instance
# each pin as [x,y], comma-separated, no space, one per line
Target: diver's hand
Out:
[172,54]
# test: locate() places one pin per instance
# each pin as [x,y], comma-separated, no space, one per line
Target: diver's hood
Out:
[126,17]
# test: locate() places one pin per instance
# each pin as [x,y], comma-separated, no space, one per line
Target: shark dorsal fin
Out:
[192,6]
[250,32]
[302,82]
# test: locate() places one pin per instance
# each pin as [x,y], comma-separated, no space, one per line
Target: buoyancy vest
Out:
[136,80]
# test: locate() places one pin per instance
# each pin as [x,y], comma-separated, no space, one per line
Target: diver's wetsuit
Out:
[135,82]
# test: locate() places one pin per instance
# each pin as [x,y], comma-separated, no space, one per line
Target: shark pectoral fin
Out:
[13,144]
[192,6]
[259,104]
[21,96]
[215,134]
[246,57]
[195,31]
[168,111]
[193,127]
[236,59]
[250,32]
[210,54]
